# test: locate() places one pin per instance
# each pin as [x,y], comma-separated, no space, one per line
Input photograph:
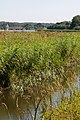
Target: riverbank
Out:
[36,65]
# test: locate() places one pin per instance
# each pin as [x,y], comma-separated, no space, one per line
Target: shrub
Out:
[69,109]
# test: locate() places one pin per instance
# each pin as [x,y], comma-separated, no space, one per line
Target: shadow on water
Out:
[15,107]
[7,106]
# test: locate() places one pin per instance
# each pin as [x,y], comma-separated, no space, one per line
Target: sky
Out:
[47,11]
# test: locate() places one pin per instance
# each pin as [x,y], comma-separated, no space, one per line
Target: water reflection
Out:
[15,107]
[7,106]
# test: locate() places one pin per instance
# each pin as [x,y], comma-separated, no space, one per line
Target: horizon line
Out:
[34,21]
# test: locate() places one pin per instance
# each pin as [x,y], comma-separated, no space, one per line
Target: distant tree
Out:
[77,28]
[60,25]
[28,26]
[75,21]
[38,26]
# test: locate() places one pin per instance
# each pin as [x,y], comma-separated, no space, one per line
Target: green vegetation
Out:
[64,25]
[75,21]
[40,63]
[67,110]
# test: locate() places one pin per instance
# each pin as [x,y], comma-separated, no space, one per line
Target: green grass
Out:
[42,62]
[43,54]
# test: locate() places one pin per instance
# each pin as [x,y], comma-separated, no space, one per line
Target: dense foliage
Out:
[69,109]
[74,24]
[42,56]
[40,63]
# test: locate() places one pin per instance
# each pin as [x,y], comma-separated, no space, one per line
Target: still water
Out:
[14,107]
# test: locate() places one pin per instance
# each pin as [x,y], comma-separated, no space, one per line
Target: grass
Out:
[69,109]
[40,62]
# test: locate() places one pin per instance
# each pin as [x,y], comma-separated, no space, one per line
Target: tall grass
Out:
[39,62]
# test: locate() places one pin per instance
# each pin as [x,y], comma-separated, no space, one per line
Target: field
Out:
[39,64]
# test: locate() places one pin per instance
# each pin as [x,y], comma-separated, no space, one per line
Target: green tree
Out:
[75,21]
[38,26]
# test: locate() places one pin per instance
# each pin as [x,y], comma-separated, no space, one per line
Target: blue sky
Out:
[38,10]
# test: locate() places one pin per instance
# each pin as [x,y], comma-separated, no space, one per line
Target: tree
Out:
[75,21]
[60,25]
[39,26]
[28,26]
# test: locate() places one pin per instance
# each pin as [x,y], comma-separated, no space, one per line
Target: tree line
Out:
[73,24]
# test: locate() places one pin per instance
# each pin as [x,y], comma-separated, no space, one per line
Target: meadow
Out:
[36,65]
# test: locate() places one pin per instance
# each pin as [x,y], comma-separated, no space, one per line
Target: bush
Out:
[77,28]
[67,110]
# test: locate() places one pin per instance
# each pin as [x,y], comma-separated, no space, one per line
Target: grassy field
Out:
[40,63]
